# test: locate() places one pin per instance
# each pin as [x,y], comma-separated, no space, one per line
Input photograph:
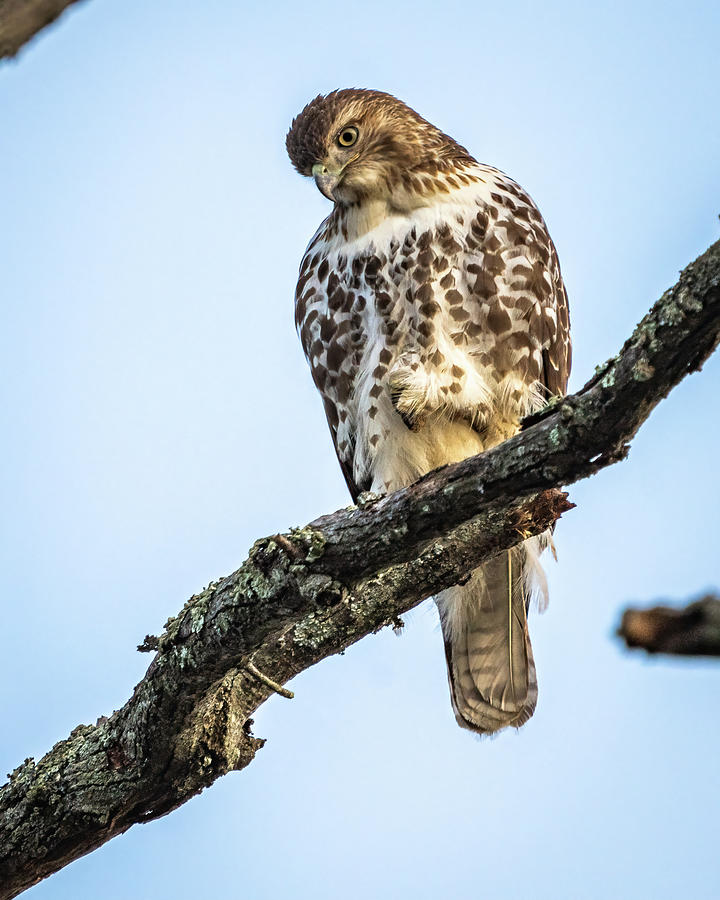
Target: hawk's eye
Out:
[348,136]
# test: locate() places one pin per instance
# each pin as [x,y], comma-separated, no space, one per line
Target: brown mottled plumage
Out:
[432,311]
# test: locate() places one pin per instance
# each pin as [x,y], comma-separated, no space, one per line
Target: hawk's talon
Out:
[412,421]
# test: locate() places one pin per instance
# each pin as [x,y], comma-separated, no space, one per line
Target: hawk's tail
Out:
[489,657]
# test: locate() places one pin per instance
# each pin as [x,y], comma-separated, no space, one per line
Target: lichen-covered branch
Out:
[302,596]
[20,20]
[693,630]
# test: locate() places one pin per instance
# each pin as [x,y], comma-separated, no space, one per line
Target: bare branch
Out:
[20,20]
[693,630]
[302,596]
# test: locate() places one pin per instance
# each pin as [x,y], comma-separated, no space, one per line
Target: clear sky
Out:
[158,416]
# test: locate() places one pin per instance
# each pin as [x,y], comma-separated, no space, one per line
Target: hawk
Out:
[432,311]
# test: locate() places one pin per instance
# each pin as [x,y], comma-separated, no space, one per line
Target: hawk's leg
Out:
[418,390]
[413,421]
[409,389]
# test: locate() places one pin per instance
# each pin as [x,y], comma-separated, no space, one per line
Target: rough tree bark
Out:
[20,20]
[693,630]
[302,596]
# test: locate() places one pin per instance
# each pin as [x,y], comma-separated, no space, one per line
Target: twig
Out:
[273,685]
[21,20]
[693,630]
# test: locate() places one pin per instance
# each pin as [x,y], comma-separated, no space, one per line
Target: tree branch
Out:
[20,20]
[691,631]
[302,596]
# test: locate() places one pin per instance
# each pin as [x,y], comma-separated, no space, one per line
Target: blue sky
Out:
[157,417]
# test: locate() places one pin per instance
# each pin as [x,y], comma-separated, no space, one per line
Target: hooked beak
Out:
[326,180]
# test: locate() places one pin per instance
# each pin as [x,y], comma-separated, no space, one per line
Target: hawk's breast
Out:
[442,319]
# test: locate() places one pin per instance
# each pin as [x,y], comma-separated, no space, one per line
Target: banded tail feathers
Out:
[490,663]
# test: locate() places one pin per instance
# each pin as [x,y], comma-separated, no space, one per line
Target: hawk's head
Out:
[364,145]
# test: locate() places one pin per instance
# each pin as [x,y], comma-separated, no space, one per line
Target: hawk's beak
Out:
[326,180]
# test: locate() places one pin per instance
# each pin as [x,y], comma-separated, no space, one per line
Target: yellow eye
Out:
[348,136]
